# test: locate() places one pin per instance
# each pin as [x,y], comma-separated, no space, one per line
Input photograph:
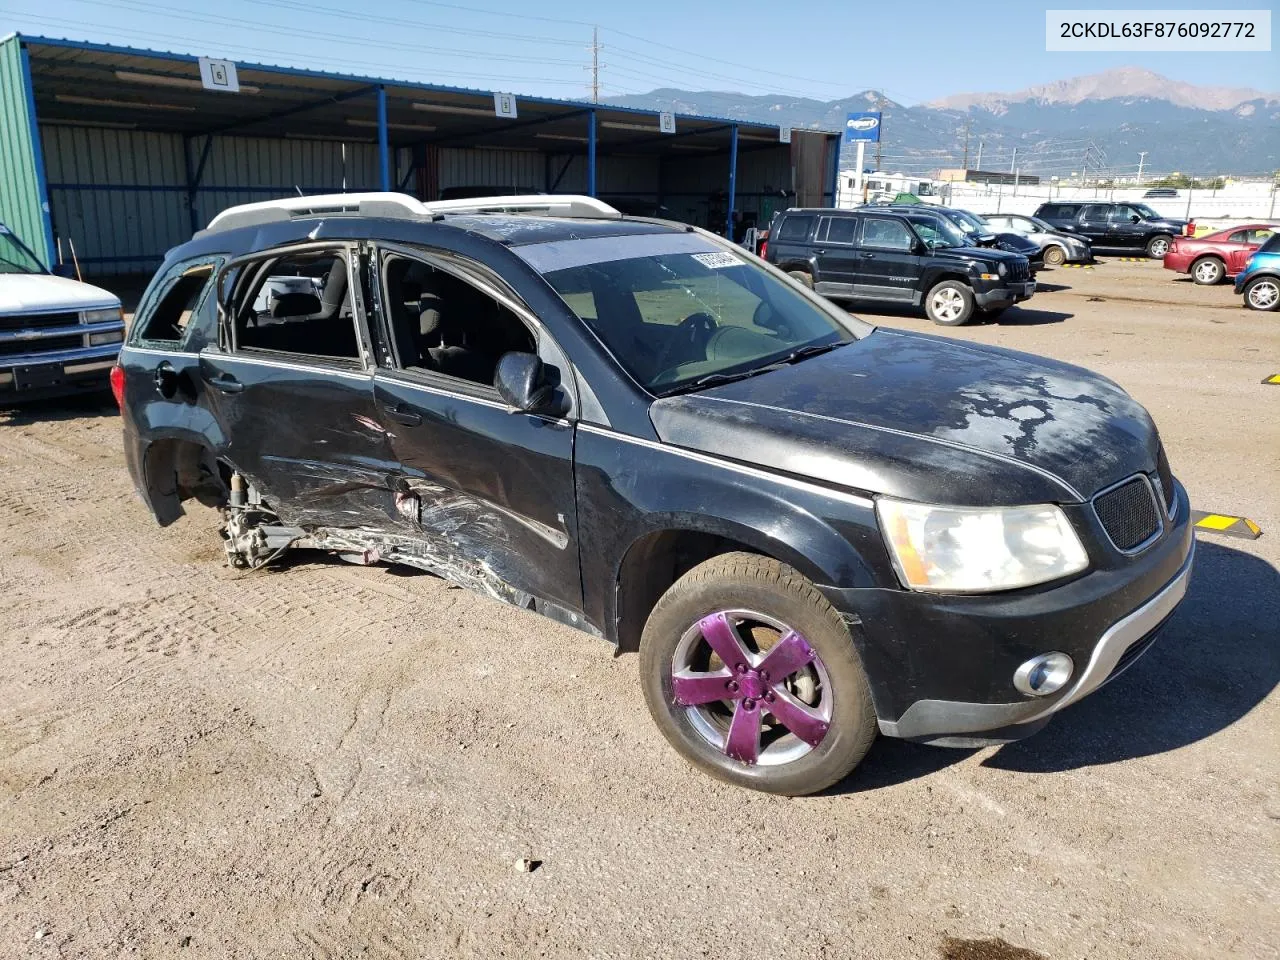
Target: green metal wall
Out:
[23,208]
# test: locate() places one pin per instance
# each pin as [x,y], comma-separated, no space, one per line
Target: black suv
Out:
[1124,226]
[810,528]
[914,257]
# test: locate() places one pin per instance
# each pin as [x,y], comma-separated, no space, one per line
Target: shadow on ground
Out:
[97,404]
[1215,660]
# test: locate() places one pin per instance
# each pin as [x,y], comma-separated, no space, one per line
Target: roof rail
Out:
[401,206]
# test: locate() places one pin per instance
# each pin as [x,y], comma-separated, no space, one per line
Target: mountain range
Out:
[1098,122]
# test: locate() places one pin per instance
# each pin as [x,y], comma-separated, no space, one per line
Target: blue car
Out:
[1260,279]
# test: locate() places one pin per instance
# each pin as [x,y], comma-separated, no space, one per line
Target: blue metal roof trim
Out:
[389,81]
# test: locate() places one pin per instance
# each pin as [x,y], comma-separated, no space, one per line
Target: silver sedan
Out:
[1058,248]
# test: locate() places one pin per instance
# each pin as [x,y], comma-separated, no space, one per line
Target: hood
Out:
[43,292]
[986,254]
[1018,243]
[925,418]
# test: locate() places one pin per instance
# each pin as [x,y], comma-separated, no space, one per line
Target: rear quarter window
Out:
[1059,210]
[795,228]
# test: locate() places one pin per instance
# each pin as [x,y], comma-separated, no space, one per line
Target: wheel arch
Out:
[657,557]
[179,465]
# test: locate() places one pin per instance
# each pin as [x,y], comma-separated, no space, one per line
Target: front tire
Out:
[1054,255]
[949,303]
[752,676]
[1263,294]
[1158,246]
[1208,271]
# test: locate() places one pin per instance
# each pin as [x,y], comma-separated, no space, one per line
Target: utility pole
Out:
[967,124]
[595,64]
[1014,162]
[978,165]
[1142,159]
[879,139]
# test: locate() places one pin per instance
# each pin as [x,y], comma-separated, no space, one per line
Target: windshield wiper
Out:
[713,379]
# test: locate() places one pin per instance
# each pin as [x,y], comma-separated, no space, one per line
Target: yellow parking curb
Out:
[1131,259]
[1274,379]
[1075,266]
[1226,524]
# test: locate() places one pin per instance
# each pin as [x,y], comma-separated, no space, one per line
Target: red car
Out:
[1217,255]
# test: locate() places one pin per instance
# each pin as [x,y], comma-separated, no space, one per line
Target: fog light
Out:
[1043,675]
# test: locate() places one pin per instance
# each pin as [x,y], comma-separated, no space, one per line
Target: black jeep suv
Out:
[915,257]
[1123,226]
[810,528]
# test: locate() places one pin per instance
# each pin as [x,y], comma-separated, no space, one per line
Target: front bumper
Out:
[942,666]
[41,376]
[1003,294]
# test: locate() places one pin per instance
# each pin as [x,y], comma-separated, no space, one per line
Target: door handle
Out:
[820,252]
[402,414]
[868,256]
[225,382]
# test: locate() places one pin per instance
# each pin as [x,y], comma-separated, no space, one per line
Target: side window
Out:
[885,234]
[1095,211]
[1240,236]
[299,304]
[795,228]
[1123,214]
[1258,235]
[182,294]
[841,229]
[442,324]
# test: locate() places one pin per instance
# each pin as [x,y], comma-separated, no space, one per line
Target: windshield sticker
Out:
[717,261]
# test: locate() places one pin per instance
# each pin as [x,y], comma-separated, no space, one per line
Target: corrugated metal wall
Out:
[20,201]
[122,197]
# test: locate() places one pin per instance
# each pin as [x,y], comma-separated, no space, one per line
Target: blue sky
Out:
[914,52]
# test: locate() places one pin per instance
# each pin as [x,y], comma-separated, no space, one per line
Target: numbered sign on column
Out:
[784,134]
[504,105]
[667,122]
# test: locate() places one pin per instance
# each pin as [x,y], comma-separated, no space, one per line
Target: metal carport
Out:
[125,153]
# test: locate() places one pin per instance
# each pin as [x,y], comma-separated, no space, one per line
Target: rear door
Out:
[1126,227]
[291,386]
[1095,224]
[888,266]
[837,255]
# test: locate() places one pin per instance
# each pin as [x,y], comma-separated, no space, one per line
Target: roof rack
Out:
[399,206]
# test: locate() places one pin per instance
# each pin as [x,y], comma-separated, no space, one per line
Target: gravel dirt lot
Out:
[329,761]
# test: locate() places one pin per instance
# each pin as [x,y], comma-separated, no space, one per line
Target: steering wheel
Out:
[687,340]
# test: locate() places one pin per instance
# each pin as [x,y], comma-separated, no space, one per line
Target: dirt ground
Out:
[331,761]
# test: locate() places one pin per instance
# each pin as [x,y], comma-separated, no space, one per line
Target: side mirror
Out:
[527,385]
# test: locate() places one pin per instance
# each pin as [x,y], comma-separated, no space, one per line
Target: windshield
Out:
[937,232]
[681,319]
[14,256]
[1147,212]
[975,224]
[1042,225]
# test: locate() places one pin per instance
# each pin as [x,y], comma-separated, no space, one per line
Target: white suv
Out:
[57,336]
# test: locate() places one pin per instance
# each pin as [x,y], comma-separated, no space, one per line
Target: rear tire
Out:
[1158,246]
[802,277]
[824,684]
[1263,294]
[949,303]
[1208,271]
[1054,255]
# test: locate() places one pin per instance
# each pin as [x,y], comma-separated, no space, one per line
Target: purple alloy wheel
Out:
[769,707]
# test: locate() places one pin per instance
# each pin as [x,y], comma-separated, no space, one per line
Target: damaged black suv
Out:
[811,529]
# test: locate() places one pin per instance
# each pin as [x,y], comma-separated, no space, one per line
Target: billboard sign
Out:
[863,126]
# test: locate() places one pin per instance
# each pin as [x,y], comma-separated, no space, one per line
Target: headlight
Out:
[111,336]
[979,549]
[1000,268]
[103,316]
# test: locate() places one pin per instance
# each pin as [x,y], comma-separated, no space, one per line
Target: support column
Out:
[591,153]
[835,174]
[733,180]
[384,160]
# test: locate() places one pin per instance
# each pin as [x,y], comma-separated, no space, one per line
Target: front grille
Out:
[1019,270]
[1128,513]
[39,321]
[14,348]
[1166,479]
